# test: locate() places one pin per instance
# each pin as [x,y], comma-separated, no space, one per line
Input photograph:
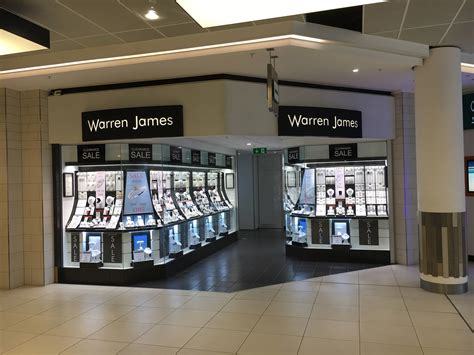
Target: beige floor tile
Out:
[338,299]
[107,311]
[376,332]
[435,351]
[131,299]
[446,338]
[199,352]
[281,325]
[69,309]
[188,317]
[307,285]
[417,292]
[34,306]
[62,295]
[142,349]
[233,321]
[8,319]
[167,301]
[377,290]
[332,329]
[428,305]
[147,315]
[179,292]
[319,346]
[388,349]
[9,340]
[121,331]
[339,288]
[9,302]
[205,303]
[79,327]
[246,306]
[256,294]
[377,276]
[44,345]
[438,320]
[382,302]
[89,346]
[227,295]
[343,278]
[167,335]
[37,324]
[286,309]
[330,312]
[295,296]
[385,315]
[217,340]
[265,344]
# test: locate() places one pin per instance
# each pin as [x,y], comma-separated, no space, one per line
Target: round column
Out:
[440,172]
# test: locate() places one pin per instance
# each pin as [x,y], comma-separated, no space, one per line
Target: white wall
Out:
[247,113]
[218,108]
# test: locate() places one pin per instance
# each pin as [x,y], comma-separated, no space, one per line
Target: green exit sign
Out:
[259,150]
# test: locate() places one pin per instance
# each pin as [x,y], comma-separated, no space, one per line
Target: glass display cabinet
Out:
[333,207]
[126,215]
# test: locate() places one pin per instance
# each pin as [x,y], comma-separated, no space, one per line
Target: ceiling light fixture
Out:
[356,70]
[18,35]
[152,14]
[210,13]
[249,144]
[265,41]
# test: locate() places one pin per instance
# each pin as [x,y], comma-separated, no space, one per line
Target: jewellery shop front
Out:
[337,196]
[132,209]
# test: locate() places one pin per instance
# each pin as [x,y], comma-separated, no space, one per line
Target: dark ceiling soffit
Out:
[212,77]
[24,28]
[349,18]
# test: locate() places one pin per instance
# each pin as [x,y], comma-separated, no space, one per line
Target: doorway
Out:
[270,190]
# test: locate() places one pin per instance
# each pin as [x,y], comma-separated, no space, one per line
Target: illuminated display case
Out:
[125,215]
[338,206]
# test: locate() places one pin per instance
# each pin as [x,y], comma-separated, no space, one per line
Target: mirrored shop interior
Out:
[136,206]
[339,206]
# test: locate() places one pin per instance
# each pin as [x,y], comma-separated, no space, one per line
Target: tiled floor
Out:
[375,311]
[257,259]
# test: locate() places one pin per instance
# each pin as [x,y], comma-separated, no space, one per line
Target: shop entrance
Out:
[270,187]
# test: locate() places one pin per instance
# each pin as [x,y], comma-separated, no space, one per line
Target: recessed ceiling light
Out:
[249,143]
[152,14]
[356,70]
[209,13]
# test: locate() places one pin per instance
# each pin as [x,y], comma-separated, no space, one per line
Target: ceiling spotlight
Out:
[152,14]
[356,70]
[249,143]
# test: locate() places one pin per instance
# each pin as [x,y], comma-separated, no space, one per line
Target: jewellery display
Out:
[119,205]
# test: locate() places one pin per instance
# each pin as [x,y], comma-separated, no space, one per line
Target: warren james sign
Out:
[134,122]
[319,121]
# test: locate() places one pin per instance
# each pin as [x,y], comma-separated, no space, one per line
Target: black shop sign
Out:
[228,162]
[320,231]
[343,151]
[196,157]
[319,122]
[91,153]
[368,232]
[293,155]
[112,248]
[176,155]
[133,122]
[75,247]
[211,159]
[140,153]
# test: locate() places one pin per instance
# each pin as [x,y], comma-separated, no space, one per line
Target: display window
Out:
[121,212]
[338,204]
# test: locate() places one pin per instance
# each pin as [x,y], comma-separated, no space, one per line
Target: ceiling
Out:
[78,24]
[96,25]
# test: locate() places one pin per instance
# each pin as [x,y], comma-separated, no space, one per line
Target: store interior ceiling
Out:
[77,25]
